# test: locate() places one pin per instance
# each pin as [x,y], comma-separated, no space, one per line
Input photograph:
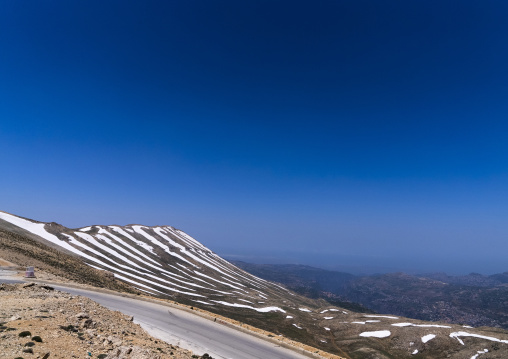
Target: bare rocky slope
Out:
[166,262]
[37,321]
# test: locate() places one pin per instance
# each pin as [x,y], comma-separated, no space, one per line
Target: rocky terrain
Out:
[40,322]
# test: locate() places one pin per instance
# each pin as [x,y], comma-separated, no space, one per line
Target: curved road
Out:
[187,330]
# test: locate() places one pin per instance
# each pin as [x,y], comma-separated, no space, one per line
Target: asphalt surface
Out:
[187,330]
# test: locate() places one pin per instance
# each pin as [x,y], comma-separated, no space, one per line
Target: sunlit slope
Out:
[161,261]
[167,262]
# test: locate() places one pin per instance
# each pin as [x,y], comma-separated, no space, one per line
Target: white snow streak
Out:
[377,334]
[480,352]
[245,300]
[261,310]
[420,325]
[203,302]
[37,229]
[381,316]
[456,335]
[428,337]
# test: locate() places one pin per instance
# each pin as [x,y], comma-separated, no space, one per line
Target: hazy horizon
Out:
[366,132]
[373,265]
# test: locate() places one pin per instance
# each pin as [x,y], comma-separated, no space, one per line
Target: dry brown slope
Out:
[25,251]
[39,322]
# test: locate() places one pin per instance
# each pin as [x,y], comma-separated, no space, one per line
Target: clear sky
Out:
[367,134]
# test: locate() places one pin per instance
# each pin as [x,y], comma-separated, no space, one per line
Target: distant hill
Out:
[472,279]
[309,281]
[294,275]
[474,299]
[429,299]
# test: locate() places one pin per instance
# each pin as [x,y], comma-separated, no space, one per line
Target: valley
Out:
[474,299]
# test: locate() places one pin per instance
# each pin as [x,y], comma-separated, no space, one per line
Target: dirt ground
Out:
[4,263]
[39,322]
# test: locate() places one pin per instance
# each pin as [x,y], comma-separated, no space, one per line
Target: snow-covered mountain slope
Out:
[161,261]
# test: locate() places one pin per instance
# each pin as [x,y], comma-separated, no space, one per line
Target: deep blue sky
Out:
[365,134]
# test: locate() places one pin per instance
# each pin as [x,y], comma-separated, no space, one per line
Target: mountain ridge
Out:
[473,299]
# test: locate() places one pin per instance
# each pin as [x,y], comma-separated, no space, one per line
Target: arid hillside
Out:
[37,321]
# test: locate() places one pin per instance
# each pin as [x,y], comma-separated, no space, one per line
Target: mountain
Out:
[474,299]
[166,262]
[429,299]
[296,275]
[471,280]
[308,281]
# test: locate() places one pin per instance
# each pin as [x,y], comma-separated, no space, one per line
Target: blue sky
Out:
[358,135]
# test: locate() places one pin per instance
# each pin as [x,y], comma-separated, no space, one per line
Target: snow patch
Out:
[428,337]
[203,302]
[420,325]
[381,316]
[245,300]
[480,352]
[377,334]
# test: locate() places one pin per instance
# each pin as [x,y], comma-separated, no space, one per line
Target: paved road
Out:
[188,330]
[10,281]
